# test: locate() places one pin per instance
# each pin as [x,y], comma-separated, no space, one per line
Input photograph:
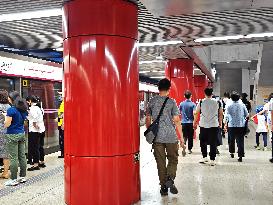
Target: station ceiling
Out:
[159,20]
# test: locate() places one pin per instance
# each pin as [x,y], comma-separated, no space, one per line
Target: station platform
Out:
[228,183]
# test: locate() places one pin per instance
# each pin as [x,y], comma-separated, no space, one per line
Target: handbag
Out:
[152,130]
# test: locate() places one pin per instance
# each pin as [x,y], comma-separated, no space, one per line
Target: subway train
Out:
[49,90]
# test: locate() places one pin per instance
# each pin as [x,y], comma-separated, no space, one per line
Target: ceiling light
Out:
[59,49]
[30,15]
[159,58]
[228,62]
[196,69]
[159,77]
[144,71]
[249,61]
[220,38]
[153,61]
[159,43]
[259,35]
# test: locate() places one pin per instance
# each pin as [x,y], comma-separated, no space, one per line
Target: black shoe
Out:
[42,165]
[164,191]
[190,152]
[173,189]
[271,160]
[217,151]
[232,155]
[240,159]
[61,156]
[33,168]
[169,182]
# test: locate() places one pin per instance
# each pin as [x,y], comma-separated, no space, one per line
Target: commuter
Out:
[42,137]
[236,114]
[36,128]
[61,128]
[14,122]
[246,102]
[4,106]
[211,116]
[262,128]
[226,101]
[187,109]
[166,142]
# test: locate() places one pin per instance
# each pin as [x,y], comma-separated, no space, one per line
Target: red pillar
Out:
[200,83]
[180,73]
[101,102]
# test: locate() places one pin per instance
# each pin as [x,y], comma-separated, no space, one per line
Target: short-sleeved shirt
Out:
[269,107]
[17,123]
[209,112]
[186,109]
[261,124]
[166,132]
[3,111]
[236,114]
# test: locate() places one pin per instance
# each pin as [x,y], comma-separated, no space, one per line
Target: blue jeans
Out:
[264,138]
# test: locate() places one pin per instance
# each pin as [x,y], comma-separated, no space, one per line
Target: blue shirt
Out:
[17,123]
[186,109]
[236,114]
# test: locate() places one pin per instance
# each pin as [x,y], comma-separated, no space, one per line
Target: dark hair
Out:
[18,102]
[208,91]
[164,85]
[31,98]
[235,96]
[187,94]
[244,95]
[227,94]
[270,96]
[4,97]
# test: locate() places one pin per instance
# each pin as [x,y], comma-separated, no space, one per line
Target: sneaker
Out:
[33,168]
[204,160]
[21,180]
[271,160]
[190,152]
[257,147]
[232,155]
[173,189]
[265,149]
[184,153]
[11,182]
[42,165]
[164,191]
[212,163]
[240,159]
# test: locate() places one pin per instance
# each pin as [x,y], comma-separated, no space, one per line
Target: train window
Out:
[7,84]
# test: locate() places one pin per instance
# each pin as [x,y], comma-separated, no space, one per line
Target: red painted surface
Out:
[200,83]
[180,73]
[101,102]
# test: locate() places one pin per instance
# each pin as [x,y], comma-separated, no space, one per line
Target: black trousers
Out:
[188,133]
[33,146]
[237,134]
[208,136]
[41,147]
[61,140]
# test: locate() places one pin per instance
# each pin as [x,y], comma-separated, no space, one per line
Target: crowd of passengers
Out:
[216,118]
[18,115]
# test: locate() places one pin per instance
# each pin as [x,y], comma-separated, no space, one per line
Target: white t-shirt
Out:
[35,114]
[261,124]
[209,112]
[268,107]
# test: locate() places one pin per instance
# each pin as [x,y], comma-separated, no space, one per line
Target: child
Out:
[262,127]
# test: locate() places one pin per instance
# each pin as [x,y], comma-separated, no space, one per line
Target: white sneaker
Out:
[205,160]
[11,182]
[212,163]
[265,148]
[21,180]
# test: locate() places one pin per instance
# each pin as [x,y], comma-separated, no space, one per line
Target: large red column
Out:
[101,102]
[200,83]
[180,73]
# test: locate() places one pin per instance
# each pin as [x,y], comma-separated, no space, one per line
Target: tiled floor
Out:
[229,183]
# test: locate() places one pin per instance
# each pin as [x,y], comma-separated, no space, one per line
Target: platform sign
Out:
[25,83]
[14,67]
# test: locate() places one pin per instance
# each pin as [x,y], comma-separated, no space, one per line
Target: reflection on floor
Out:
[228,183]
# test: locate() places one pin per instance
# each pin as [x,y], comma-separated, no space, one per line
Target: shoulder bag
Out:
[152,130]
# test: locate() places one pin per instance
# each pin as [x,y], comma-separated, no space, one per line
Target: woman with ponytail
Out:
[14,122]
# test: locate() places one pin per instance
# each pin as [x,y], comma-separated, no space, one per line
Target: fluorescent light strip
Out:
[160,77]
[225,38]
[144,71]
[153,61]
[159,43]
[30,15]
